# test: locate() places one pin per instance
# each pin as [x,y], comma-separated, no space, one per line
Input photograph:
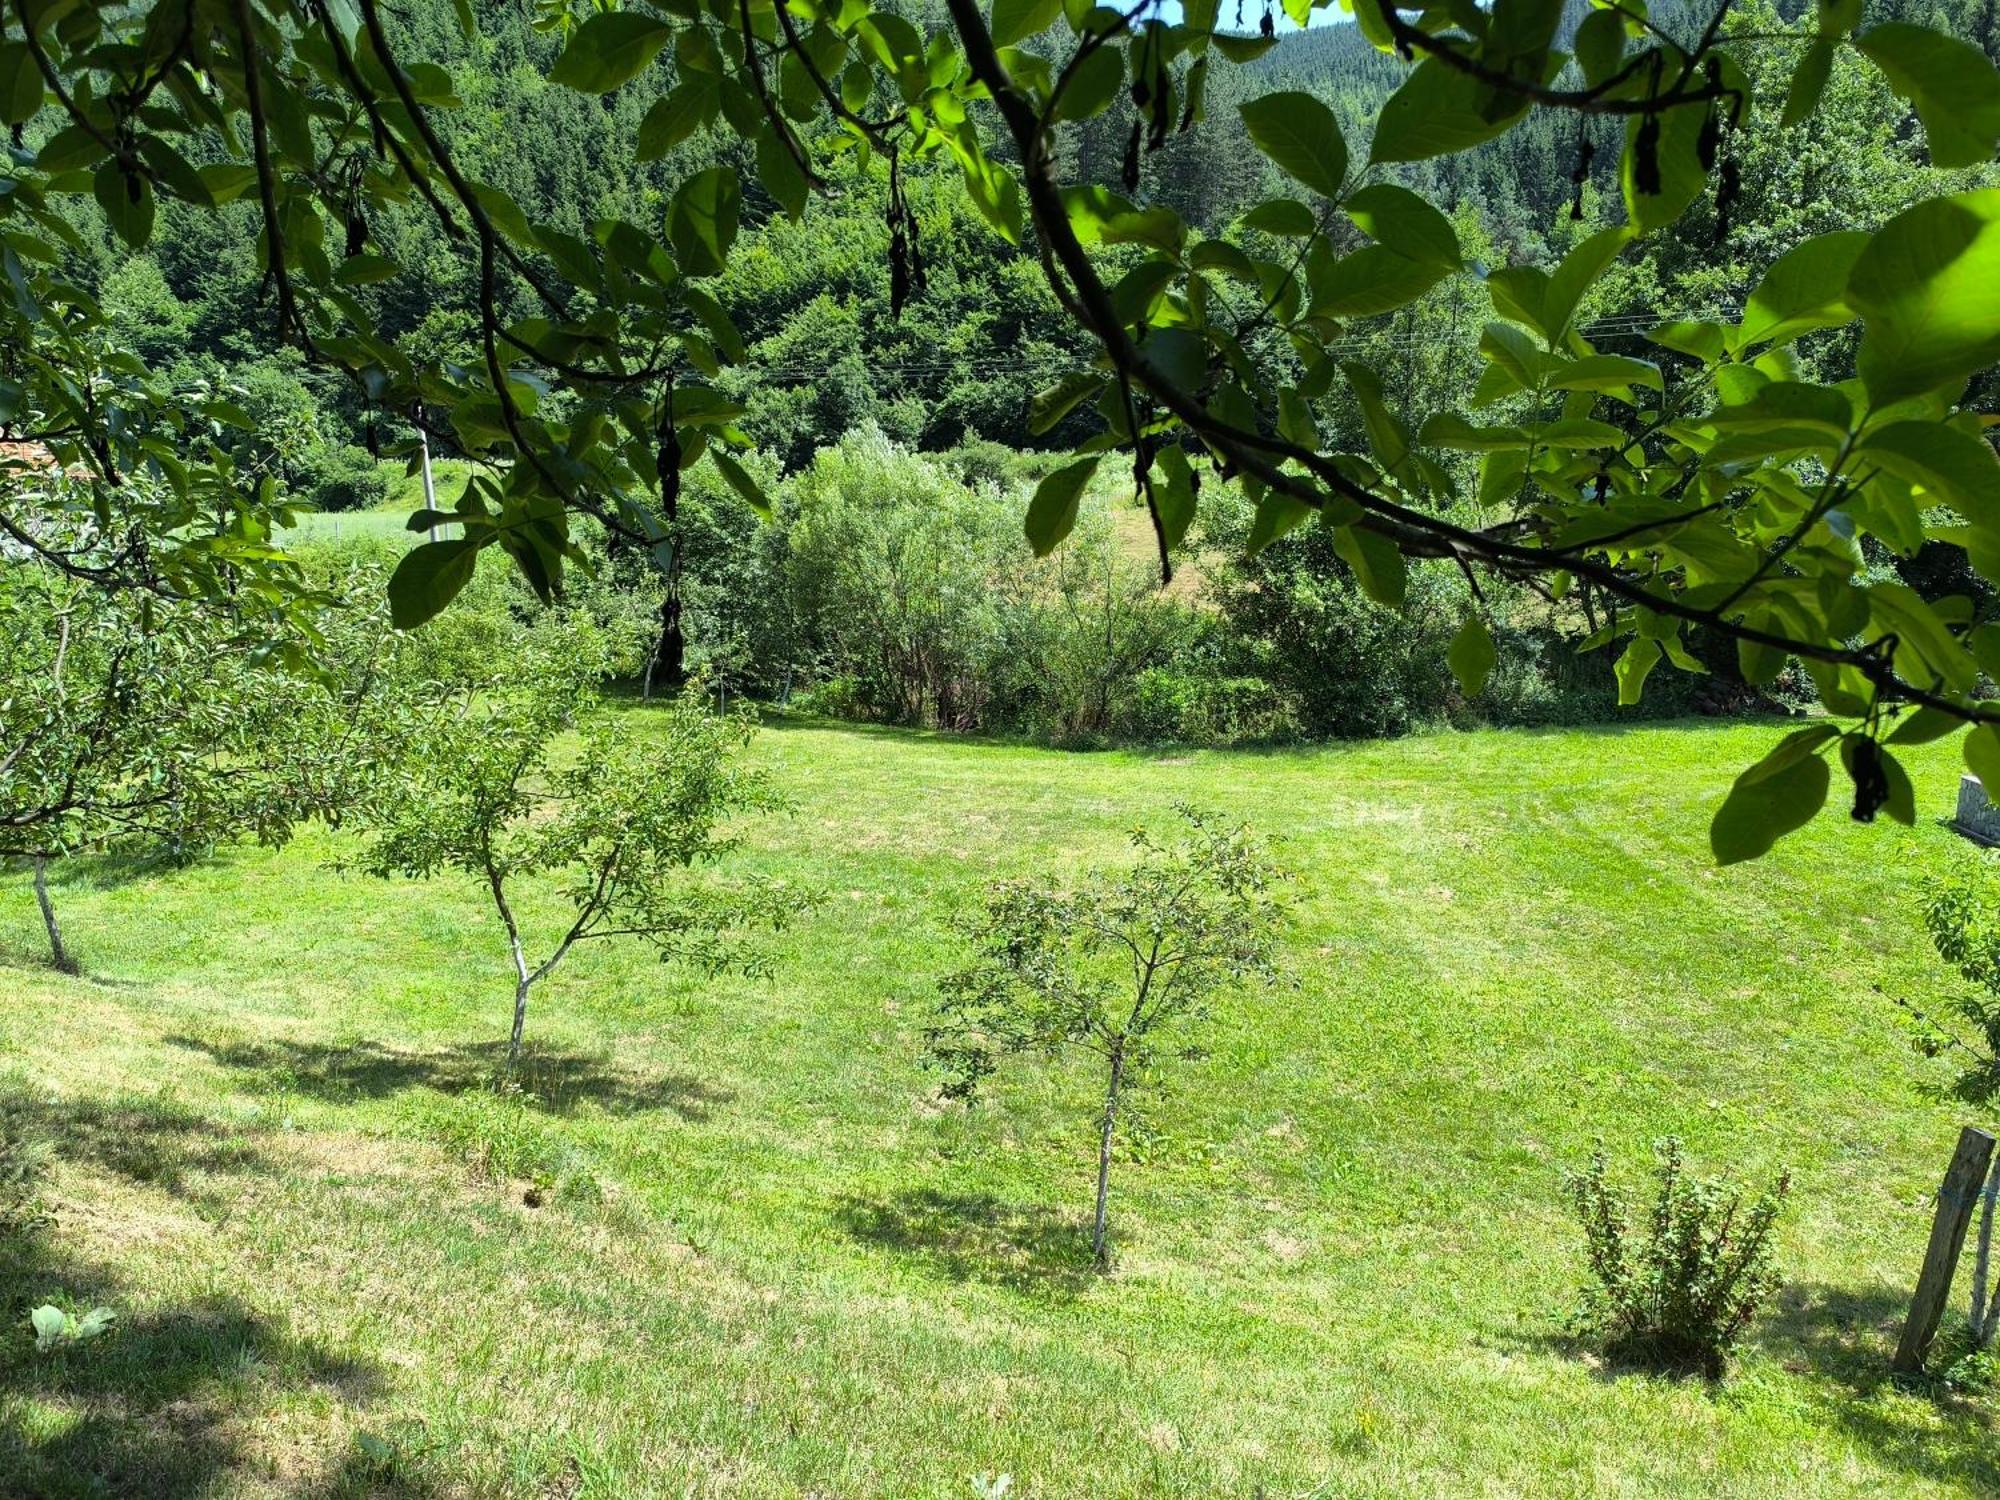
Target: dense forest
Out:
[912,401]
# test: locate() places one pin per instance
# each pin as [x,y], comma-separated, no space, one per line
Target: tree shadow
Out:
[1846,1337]
[161,1405]
[556,1081]
[145,1140]
[968,1237]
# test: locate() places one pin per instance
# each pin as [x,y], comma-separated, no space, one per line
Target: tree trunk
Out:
[1100,1243]
[520,1022]
[670,656]
[58,954]
[522,978]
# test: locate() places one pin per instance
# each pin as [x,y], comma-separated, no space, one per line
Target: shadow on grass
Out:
[1846,1336]
[1840,1339]
[556,1081]
[168,1404]
[966,1237]
[147,1140]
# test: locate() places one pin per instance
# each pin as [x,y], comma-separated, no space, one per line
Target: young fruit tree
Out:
[1121,967]
[625,823]
[148,723]
[129,723]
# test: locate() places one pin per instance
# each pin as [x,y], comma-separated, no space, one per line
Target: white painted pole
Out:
[430,491]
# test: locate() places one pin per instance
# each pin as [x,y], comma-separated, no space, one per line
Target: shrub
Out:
[1186,706]
[890,567]
[342,476]
[1679,1293]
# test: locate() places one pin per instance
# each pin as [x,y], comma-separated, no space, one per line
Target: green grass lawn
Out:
[764,1261]
[390,519]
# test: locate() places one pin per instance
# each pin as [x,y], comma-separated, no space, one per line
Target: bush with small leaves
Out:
[1678,1293]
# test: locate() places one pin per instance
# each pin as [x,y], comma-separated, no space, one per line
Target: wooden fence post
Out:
[1962,1182]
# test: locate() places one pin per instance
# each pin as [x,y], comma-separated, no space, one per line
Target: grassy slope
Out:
[1343,1257]
[390,519]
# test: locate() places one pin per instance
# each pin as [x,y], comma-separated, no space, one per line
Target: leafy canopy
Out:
[1711,484]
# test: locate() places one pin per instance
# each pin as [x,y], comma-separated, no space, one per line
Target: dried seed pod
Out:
[1871,781]
[1646,157]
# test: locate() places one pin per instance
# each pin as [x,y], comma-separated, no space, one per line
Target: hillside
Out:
[730,1242]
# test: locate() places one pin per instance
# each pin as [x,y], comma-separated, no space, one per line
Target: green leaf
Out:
[1174,499]
[1396,217]
[1059,400]
[1951,466]
[1633,667]
[366,270]
[1017,20]
[1901,802]
[1982,755]
[1302,137]
[609,49]
[429,577]
[1243,49]
[1277,515]
[1928,286]
[1924,725]
[778,170]
[1952,84]
[1052,513]
[1439,111]
[1092,86]
[1471,655]
[702,220]
[1578,272]
[1805,288]
[127,201]
[1378,564]
[1808,83]
[20,84]
[50,1324]
[1600,45]
[1282,216]
[1678,157]
[692,103]
[1777,796]
[740,480]
[1374,279]
[1605,372]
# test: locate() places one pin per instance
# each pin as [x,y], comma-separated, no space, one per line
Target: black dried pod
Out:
[1267,26]
[899,273]
[357,232]
[1646,157]
[1871,781]
[1130,175]
[1726,192]
[1711,137]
